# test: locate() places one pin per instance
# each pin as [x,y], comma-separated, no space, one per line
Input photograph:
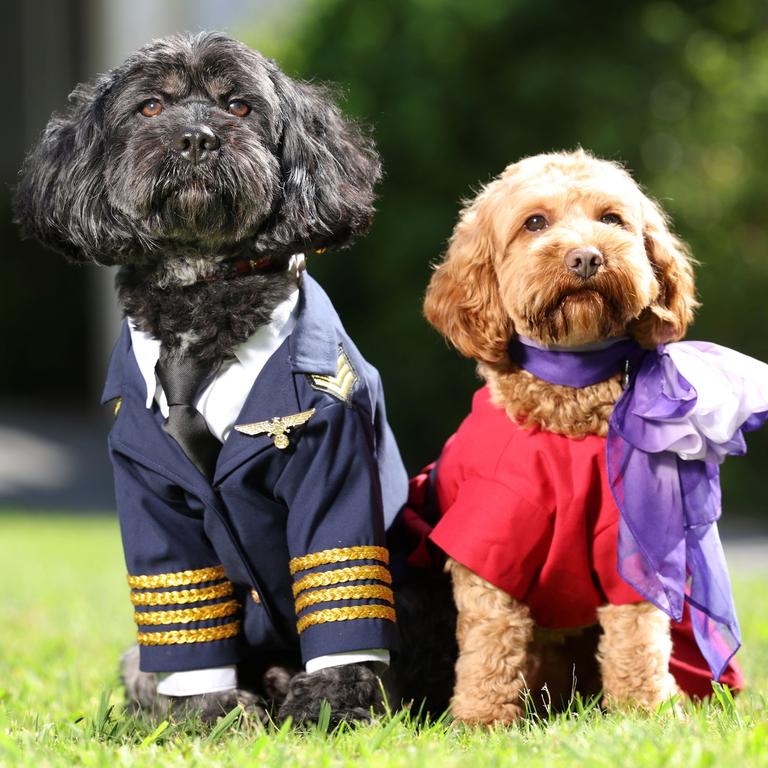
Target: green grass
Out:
[64,618]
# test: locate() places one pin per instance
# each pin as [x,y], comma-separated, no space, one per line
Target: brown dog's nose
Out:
[196,143]
[584,261]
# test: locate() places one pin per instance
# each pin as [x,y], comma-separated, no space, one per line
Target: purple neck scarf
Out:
[577,366]
[669,548]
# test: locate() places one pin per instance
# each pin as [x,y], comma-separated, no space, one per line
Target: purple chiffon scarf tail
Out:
[685,408]
[669,546]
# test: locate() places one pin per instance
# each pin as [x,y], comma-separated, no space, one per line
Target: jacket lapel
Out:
[273,395]
[138,433]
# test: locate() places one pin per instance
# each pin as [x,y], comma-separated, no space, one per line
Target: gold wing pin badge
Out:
[277,428]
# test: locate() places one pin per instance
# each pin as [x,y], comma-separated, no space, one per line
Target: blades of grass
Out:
[224,725]
[441,723]
[323,717]
[725,699]
[155,735]
[102,718]
[8,746]
[669,708]
[285,730]
[123,726]
[384,731]
[385,700]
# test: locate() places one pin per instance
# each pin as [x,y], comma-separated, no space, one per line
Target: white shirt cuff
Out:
[197,681]
[378,655]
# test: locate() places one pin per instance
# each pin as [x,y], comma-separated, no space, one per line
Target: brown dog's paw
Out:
[480,713]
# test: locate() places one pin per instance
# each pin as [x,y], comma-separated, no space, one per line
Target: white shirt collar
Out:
[250,354]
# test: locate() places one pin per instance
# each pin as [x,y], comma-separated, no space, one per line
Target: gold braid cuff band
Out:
[344,593]
[341,576]
[178,579]
[346,614]
[338,556]
[182,596]
[204,612]
[179,636]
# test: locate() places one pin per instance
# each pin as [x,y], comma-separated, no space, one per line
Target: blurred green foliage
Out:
[455,90]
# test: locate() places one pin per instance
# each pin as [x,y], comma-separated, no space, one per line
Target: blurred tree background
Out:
[455,90]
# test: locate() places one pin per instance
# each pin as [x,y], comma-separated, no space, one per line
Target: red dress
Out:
[531,512]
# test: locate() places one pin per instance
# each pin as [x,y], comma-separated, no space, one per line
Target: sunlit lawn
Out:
[64,618]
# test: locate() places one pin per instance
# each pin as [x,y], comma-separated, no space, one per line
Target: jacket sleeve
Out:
[184,605]
[335,532]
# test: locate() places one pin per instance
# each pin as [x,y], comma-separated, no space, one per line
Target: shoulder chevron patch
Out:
[340,385]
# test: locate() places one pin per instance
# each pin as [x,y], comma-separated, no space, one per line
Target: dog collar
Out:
[229,270]
[575,366]
[234,268]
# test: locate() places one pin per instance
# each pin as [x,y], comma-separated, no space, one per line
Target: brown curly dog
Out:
[566,249]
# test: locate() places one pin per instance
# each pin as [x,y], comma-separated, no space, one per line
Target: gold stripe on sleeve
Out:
[359,592]
[180,636]
[178,579]
[341,576]
[338,556]
[346,614]
[184,616]
[182,596]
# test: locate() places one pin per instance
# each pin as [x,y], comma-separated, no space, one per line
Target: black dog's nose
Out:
[584,261]
[196,143]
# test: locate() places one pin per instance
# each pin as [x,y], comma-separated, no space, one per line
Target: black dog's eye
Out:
[612,218]
[535,223]
[238,107]
[151,108]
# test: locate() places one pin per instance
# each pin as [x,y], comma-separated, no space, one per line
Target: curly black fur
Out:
[422,675]
[353,692]
[205,320]
[108,185]
[141,692]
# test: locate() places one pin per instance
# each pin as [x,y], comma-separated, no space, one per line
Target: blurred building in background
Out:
[453,90]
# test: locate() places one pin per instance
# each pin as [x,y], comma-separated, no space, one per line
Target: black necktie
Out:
[182,378]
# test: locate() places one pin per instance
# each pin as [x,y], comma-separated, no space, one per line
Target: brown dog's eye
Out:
[151,108]
[238,107]
[612,218]
[535,223]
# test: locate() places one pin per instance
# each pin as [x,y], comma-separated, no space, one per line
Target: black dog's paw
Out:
[352,692]
[276,682]
[140,687]
[209,707]
[142,695]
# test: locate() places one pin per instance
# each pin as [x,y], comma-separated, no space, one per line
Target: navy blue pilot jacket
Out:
[285,549]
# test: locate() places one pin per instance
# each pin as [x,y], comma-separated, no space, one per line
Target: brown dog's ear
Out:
[463,301]
[668,317]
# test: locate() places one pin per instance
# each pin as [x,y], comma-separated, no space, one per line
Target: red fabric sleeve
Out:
[418,519]
[496,533]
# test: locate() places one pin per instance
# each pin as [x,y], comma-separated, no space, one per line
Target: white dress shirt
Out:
[220,404]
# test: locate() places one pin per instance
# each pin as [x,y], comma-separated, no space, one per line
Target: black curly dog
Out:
[195,179]
[194,153]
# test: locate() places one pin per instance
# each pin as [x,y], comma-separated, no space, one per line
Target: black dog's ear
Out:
[61,197]
[329,168]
